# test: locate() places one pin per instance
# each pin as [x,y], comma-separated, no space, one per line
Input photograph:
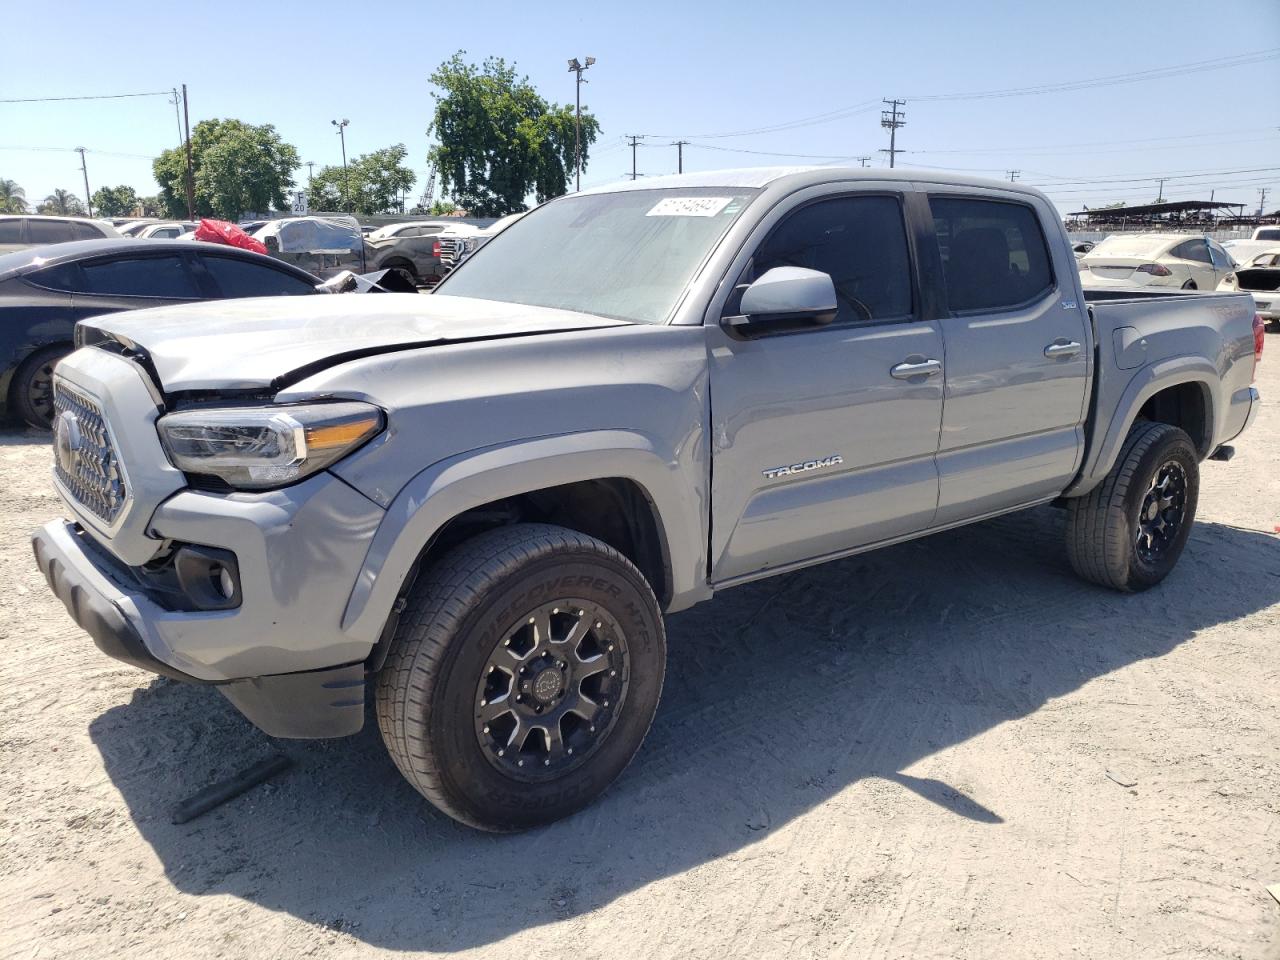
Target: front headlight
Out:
[255,448]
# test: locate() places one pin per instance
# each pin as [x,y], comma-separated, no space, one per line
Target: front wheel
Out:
[33,386]
[1128,532]
[523,676]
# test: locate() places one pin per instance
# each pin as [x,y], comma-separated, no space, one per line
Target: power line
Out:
[100,153]
[1085,146]
[1156,73]
[770,153]
[827,117]
[96,96]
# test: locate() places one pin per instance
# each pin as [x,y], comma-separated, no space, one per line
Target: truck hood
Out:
[269,342]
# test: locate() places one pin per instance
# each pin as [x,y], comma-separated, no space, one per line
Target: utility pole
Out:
[191,182]
[309,165]
[1013,175]
[177,115]
[1262,202]
[891,120]
[864,161]
[578,68]
[634,140]
[84,168]
[346,190]
[679,145]
[1160,193]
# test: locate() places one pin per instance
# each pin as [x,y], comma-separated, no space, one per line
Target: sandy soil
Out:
[904,754]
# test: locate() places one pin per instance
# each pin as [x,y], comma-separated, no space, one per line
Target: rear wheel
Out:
[1128,532]
[523,676]
[1190,285]
[32,389]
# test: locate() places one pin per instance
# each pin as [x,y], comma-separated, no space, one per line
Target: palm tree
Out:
[62,202]
[13,199]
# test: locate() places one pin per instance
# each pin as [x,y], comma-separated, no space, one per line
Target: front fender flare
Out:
[450,487]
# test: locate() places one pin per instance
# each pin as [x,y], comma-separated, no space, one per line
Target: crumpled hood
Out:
[247,344]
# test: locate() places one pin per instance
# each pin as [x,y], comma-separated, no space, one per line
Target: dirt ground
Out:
[920,752]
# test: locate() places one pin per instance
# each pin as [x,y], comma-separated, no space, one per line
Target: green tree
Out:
[13,199]
[238,168]
[118,201]
[63,203]
[499,141]
[374,182]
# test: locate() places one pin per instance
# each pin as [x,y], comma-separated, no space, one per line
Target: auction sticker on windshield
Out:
[689,207]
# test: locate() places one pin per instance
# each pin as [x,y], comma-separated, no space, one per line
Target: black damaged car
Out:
[45,290]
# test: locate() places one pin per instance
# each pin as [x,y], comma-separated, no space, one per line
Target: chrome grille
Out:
[85,459]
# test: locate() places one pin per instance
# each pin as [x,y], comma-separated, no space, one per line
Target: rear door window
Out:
[64,277]
[1221,259]
[1196,250]
[85,231]
[49,231]
[994,253]
[162,277]
[239,278]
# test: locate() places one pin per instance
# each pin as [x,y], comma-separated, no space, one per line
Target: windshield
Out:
[627,255]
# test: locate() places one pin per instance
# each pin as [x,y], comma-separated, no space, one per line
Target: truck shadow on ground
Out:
[779,696]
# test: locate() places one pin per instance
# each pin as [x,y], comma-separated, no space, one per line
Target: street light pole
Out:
[346,189]
[576,68]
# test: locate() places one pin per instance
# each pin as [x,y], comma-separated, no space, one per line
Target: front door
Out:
[1017,349]
[824,436]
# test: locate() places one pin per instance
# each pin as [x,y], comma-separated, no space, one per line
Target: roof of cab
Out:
[797,177]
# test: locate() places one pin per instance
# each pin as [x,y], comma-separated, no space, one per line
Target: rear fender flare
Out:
[1145,384]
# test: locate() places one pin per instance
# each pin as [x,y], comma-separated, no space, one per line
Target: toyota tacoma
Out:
[476,507]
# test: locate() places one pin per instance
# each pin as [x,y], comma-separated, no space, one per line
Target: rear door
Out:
[1198,262]
[823,439]
[1017,358]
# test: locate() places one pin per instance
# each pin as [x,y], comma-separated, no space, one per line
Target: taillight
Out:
[435,249]
[1155,269]
[1259,337]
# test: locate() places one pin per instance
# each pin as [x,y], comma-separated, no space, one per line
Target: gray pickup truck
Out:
[480,503]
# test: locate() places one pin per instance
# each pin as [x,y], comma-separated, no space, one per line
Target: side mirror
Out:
[787,293]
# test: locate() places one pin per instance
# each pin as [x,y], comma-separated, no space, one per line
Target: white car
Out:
[417,228]
[1260,277]
[168,230]
[1180,260]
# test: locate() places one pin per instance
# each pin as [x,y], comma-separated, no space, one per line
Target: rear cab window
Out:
[994,253]
[11,231]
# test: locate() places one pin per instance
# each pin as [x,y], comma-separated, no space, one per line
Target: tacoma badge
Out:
[804,467]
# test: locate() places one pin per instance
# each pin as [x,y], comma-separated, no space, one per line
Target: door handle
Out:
[1061,350]
[923,368]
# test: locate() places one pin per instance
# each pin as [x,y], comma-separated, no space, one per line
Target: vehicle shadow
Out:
[780,695]
[19,435]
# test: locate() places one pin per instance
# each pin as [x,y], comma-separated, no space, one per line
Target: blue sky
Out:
[669,70]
